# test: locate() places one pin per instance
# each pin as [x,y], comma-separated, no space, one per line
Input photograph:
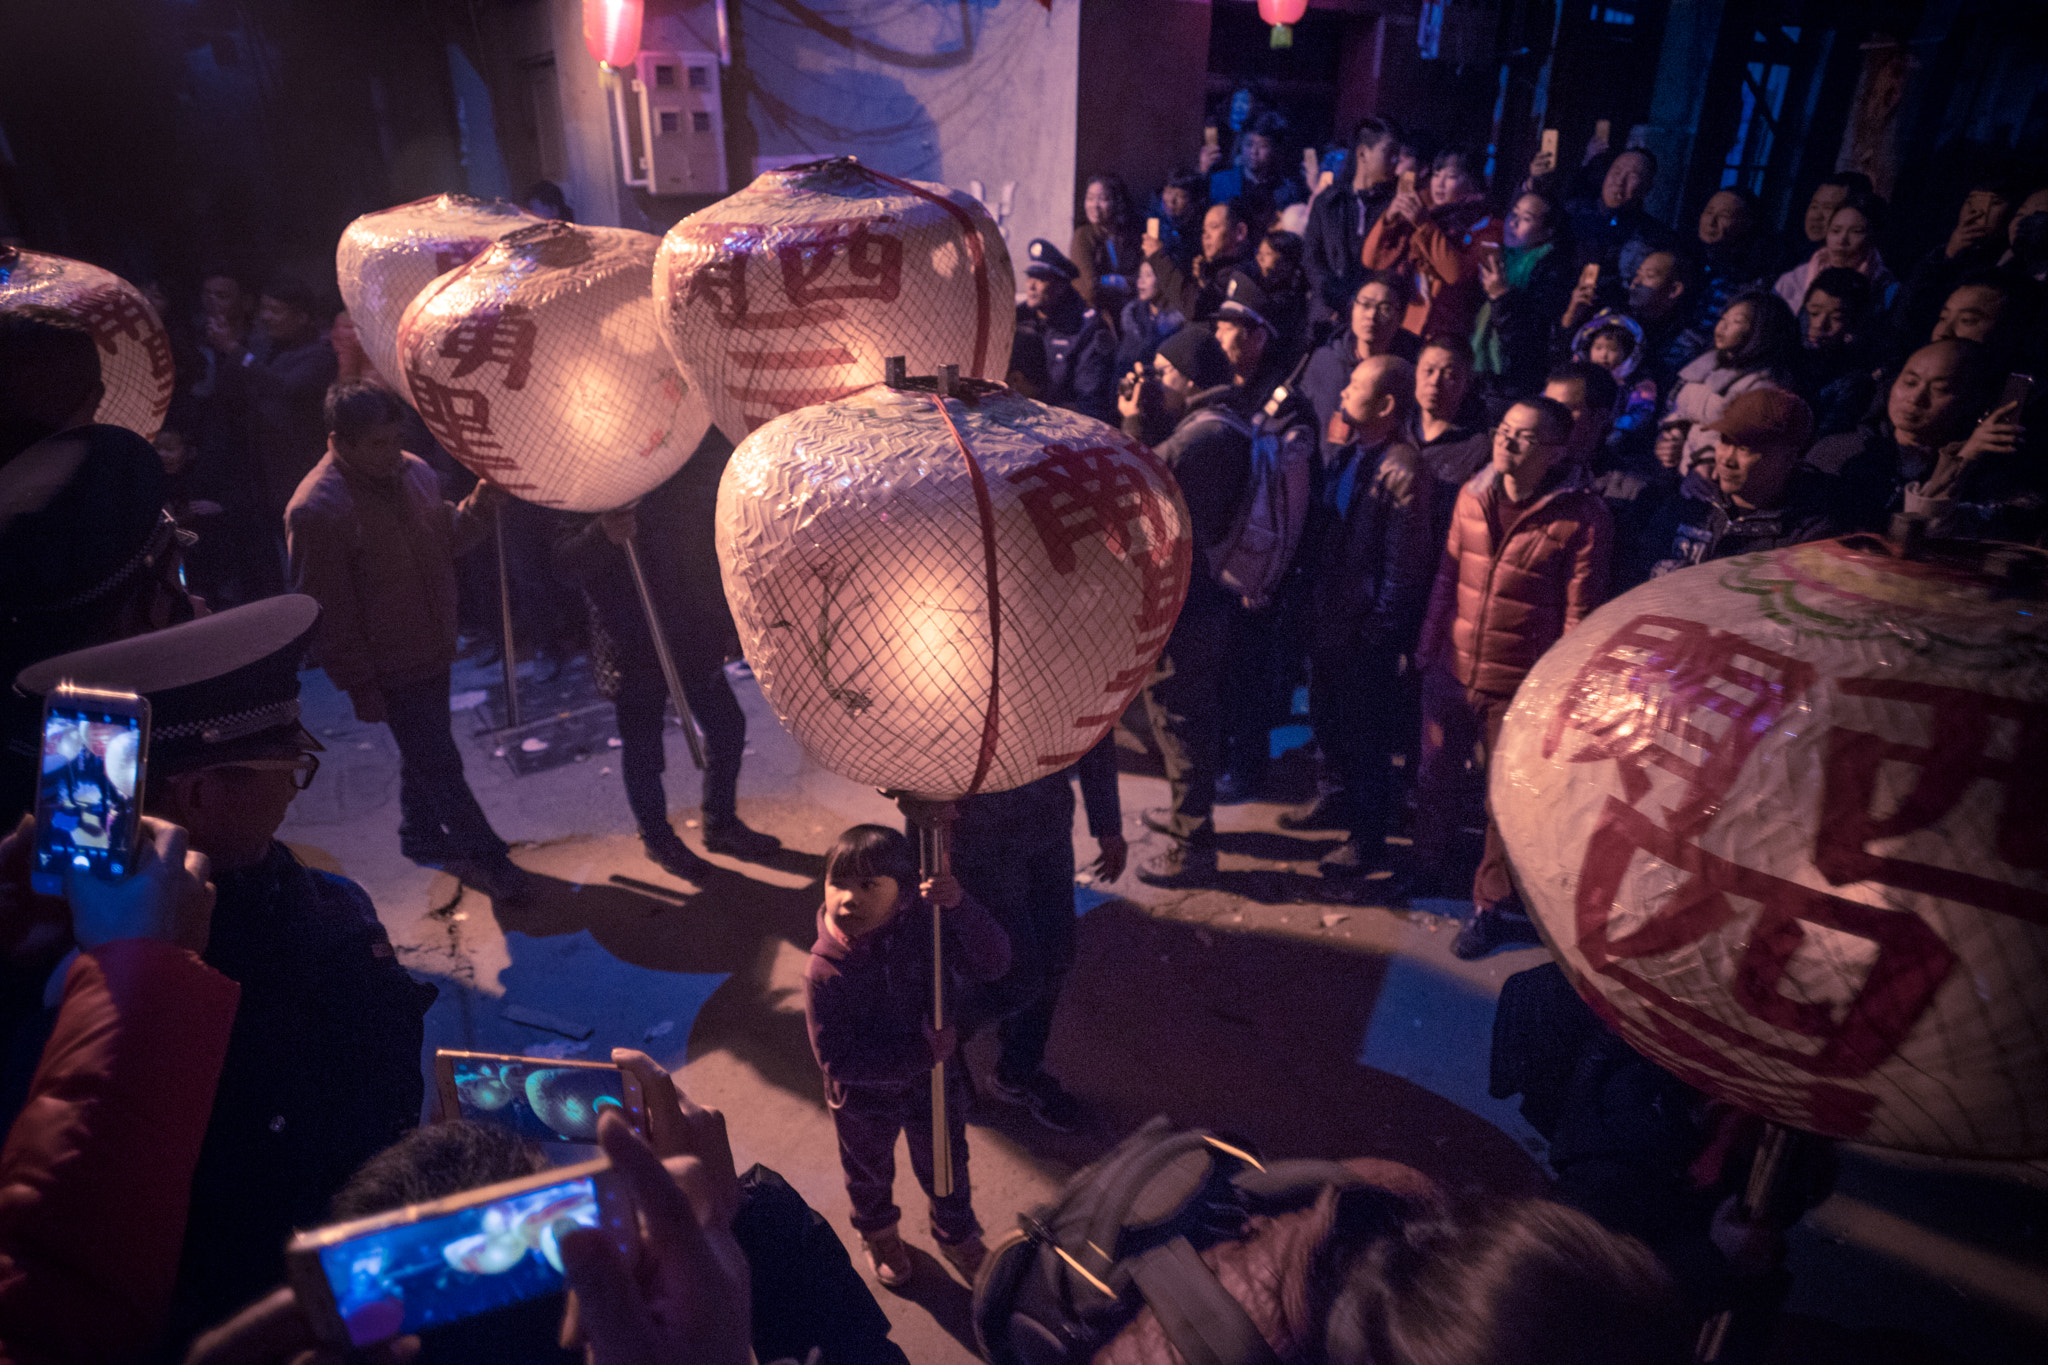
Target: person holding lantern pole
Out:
[868,993]
[1014,851]
[672,527]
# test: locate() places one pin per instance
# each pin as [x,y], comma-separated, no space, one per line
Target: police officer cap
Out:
[1048,262]
[1244,300]
[221,689]
[81,514]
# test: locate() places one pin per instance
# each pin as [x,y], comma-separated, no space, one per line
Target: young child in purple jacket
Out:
[868,1000]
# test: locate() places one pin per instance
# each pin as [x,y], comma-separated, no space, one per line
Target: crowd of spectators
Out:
[1567,394]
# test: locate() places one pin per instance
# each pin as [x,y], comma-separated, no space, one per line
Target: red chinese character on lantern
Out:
[459,418]
[723,284]
[1073,496]
[874,260]
[1679,696]
[114,314]
[1823,988]
[503,336]
[1972,739]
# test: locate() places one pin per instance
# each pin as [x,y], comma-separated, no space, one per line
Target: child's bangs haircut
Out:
[1620,336]
[872,851]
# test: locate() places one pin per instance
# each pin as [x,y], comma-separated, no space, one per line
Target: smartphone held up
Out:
[539,1098]
[375,1278]
[90,789]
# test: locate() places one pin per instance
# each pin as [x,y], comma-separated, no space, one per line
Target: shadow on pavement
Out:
[933,1288]
[1248,1034]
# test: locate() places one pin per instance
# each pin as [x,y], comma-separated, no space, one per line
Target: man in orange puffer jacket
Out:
[1527,558]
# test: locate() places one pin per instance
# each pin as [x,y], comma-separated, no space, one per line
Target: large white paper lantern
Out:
[537,365]
[949,601]
[794,290]
[1784,821]
[135,351]
[386,258]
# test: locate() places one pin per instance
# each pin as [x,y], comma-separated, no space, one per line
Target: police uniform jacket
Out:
[322,1073]
[1079,351]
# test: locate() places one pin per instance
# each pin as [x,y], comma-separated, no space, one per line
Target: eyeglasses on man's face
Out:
[303,768]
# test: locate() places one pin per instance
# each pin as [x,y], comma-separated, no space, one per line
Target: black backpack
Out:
[1126,1233]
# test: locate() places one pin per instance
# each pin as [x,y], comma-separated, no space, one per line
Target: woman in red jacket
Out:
[1526,560]
[1439,243]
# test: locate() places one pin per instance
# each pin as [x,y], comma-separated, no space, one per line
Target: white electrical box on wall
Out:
[682,123]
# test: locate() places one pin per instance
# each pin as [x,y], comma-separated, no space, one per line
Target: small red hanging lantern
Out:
[1283,15]
[611,31]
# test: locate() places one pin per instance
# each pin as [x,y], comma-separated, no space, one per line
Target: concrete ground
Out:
[1261,1008]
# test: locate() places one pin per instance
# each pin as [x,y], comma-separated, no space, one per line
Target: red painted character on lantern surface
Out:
[114,314]
[1674,696]
[1073,496]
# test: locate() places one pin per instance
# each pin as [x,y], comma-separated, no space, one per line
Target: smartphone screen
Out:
[540,1099]
[1590,274]
[89,794]
[1407,182]
[1550,143]
[1151,227]
[437,1263]
[1602,130]
[1211,136]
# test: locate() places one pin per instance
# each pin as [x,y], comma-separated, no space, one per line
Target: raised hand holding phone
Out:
[169,896]
[682,1292]
[676,1125]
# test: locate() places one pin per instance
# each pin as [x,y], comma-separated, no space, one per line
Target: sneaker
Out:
[1158,819]
[966,1256]
[888,1259]
[675,857]
[503,880]
[1179,865]
[1348,859]
[732,837]
[1491,930]
[1325,812]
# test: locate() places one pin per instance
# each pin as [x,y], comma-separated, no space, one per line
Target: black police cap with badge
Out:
[1048,262]
[1244,300]
[222,689]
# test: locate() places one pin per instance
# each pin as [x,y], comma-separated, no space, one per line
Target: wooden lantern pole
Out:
[631,545]
[934,822]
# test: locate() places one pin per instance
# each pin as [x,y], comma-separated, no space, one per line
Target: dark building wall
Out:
[1140,90]
[163,140]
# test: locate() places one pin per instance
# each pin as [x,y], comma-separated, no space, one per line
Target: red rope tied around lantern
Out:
[976,253]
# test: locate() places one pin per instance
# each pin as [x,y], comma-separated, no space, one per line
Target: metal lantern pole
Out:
[934,821]
[661,651]
[506,650]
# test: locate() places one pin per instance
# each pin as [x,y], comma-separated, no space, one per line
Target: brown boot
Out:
[887,1258]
